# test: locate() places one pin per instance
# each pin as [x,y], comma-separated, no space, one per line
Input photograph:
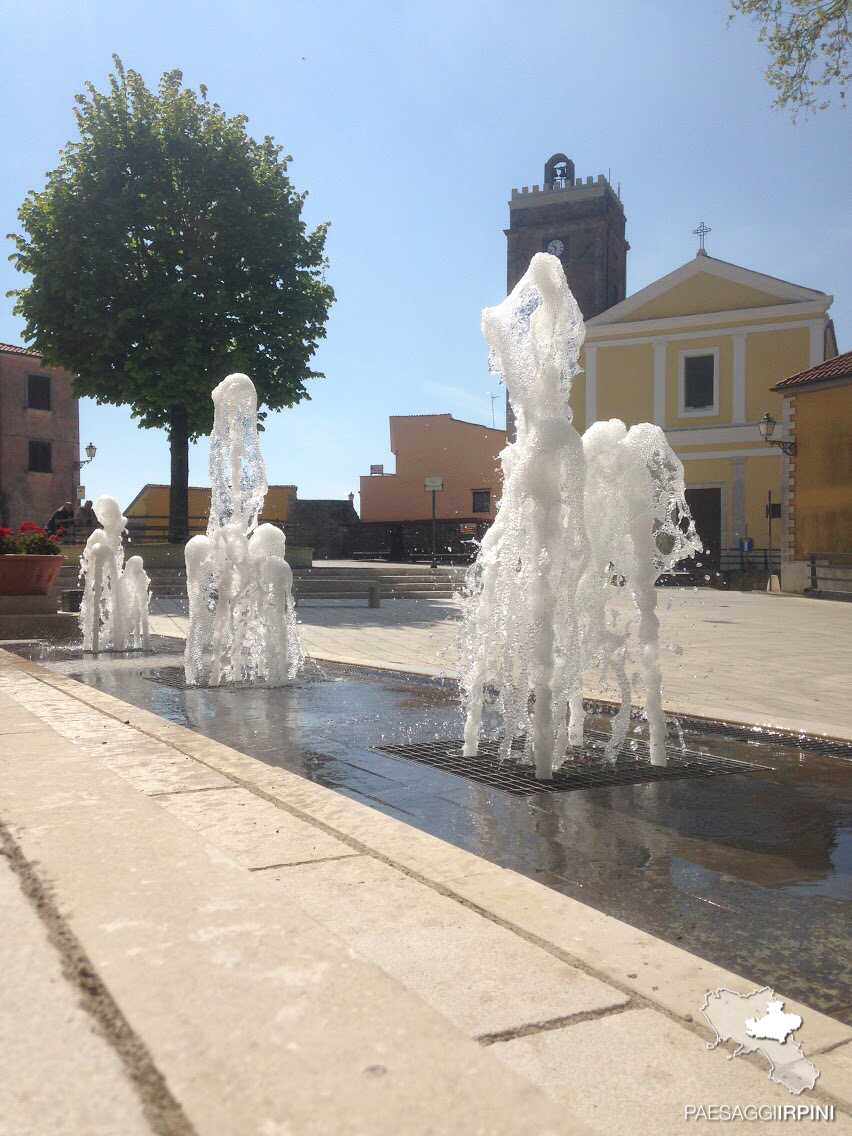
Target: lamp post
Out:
[91,450]
[433,485]
[766,426]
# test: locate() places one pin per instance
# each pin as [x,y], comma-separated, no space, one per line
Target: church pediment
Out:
[706,285]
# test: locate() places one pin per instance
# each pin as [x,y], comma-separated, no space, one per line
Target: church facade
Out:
[696,352]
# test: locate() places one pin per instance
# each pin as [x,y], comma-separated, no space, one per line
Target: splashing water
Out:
[114,608]
[239,585]
[580,520]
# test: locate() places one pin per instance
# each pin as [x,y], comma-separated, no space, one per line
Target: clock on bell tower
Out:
[582,223]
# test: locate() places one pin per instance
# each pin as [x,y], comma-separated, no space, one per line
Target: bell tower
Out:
[582,223]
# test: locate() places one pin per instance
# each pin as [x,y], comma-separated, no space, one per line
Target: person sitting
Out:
[61,519]
[85,521]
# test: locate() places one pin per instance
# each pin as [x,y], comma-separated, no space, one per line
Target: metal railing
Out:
[736,559]
[833,569]
[155,529]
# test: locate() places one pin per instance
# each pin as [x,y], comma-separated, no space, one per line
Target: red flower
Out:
[6,533]
[30,527]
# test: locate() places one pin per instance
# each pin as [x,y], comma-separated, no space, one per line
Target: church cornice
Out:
[716,323]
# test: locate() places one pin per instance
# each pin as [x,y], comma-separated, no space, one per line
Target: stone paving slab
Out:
[58,1075]
[252,830]
[478,974]
[229,987]
[145,762]
[652,1070]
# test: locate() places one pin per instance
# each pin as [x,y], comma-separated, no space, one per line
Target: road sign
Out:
[81,492]
[433,484]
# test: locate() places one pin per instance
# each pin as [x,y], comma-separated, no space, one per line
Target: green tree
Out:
[808,42]
[167,250]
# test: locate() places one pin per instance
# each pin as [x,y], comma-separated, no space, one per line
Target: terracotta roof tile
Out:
[11,349]
[840,367]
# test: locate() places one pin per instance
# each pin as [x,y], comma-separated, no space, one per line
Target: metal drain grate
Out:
[587,771]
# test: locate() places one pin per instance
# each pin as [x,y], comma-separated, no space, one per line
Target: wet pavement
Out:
[750,870]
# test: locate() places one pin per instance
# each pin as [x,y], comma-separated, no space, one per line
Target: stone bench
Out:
[372,590]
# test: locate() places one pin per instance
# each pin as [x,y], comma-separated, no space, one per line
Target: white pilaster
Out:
[591,385]
[817,329]
[660,346]
[739,408]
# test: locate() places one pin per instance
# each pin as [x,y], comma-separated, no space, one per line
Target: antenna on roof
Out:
[493,398]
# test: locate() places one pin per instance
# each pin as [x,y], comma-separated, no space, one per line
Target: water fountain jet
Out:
[239,585]
[114,607]
[575,514]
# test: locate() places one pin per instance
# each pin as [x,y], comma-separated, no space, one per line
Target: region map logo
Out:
[757,1021]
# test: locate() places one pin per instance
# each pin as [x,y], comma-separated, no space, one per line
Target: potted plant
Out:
[30,560]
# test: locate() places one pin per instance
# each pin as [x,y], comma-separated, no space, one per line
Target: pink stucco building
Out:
[39,437]
[464,454]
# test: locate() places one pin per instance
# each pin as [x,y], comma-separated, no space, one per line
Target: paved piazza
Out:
[770,660]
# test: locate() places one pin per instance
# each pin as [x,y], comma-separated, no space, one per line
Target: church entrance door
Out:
[706,508]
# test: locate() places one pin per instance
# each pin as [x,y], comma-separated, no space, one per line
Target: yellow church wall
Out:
[762,474]
[691,450]
[698,470]
[823,471]
[700,294]
[723,344]
[578,399]
[625,383]
[769,357]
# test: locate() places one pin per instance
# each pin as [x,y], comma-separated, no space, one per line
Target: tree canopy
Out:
[166,250]
[808,42]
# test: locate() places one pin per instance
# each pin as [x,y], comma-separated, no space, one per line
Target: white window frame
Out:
[706,411]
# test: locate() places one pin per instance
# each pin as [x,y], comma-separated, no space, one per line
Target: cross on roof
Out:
[700,232]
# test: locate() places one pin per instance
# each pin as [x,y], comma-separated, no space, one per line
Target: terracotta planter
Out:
[28,575]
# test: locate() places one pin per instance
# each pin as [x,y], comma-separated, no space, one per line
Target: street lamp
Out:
[766,426]
[91,450]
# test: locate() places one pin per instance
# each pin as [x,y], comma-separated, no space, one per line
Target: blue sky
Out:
[409,122]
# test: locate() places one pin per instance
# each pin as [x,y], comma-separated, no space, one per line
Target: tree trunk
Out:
[179,491]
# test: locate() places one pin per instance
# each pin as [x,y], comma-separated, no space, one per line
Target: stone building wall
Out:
[324,526]
[26,494]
